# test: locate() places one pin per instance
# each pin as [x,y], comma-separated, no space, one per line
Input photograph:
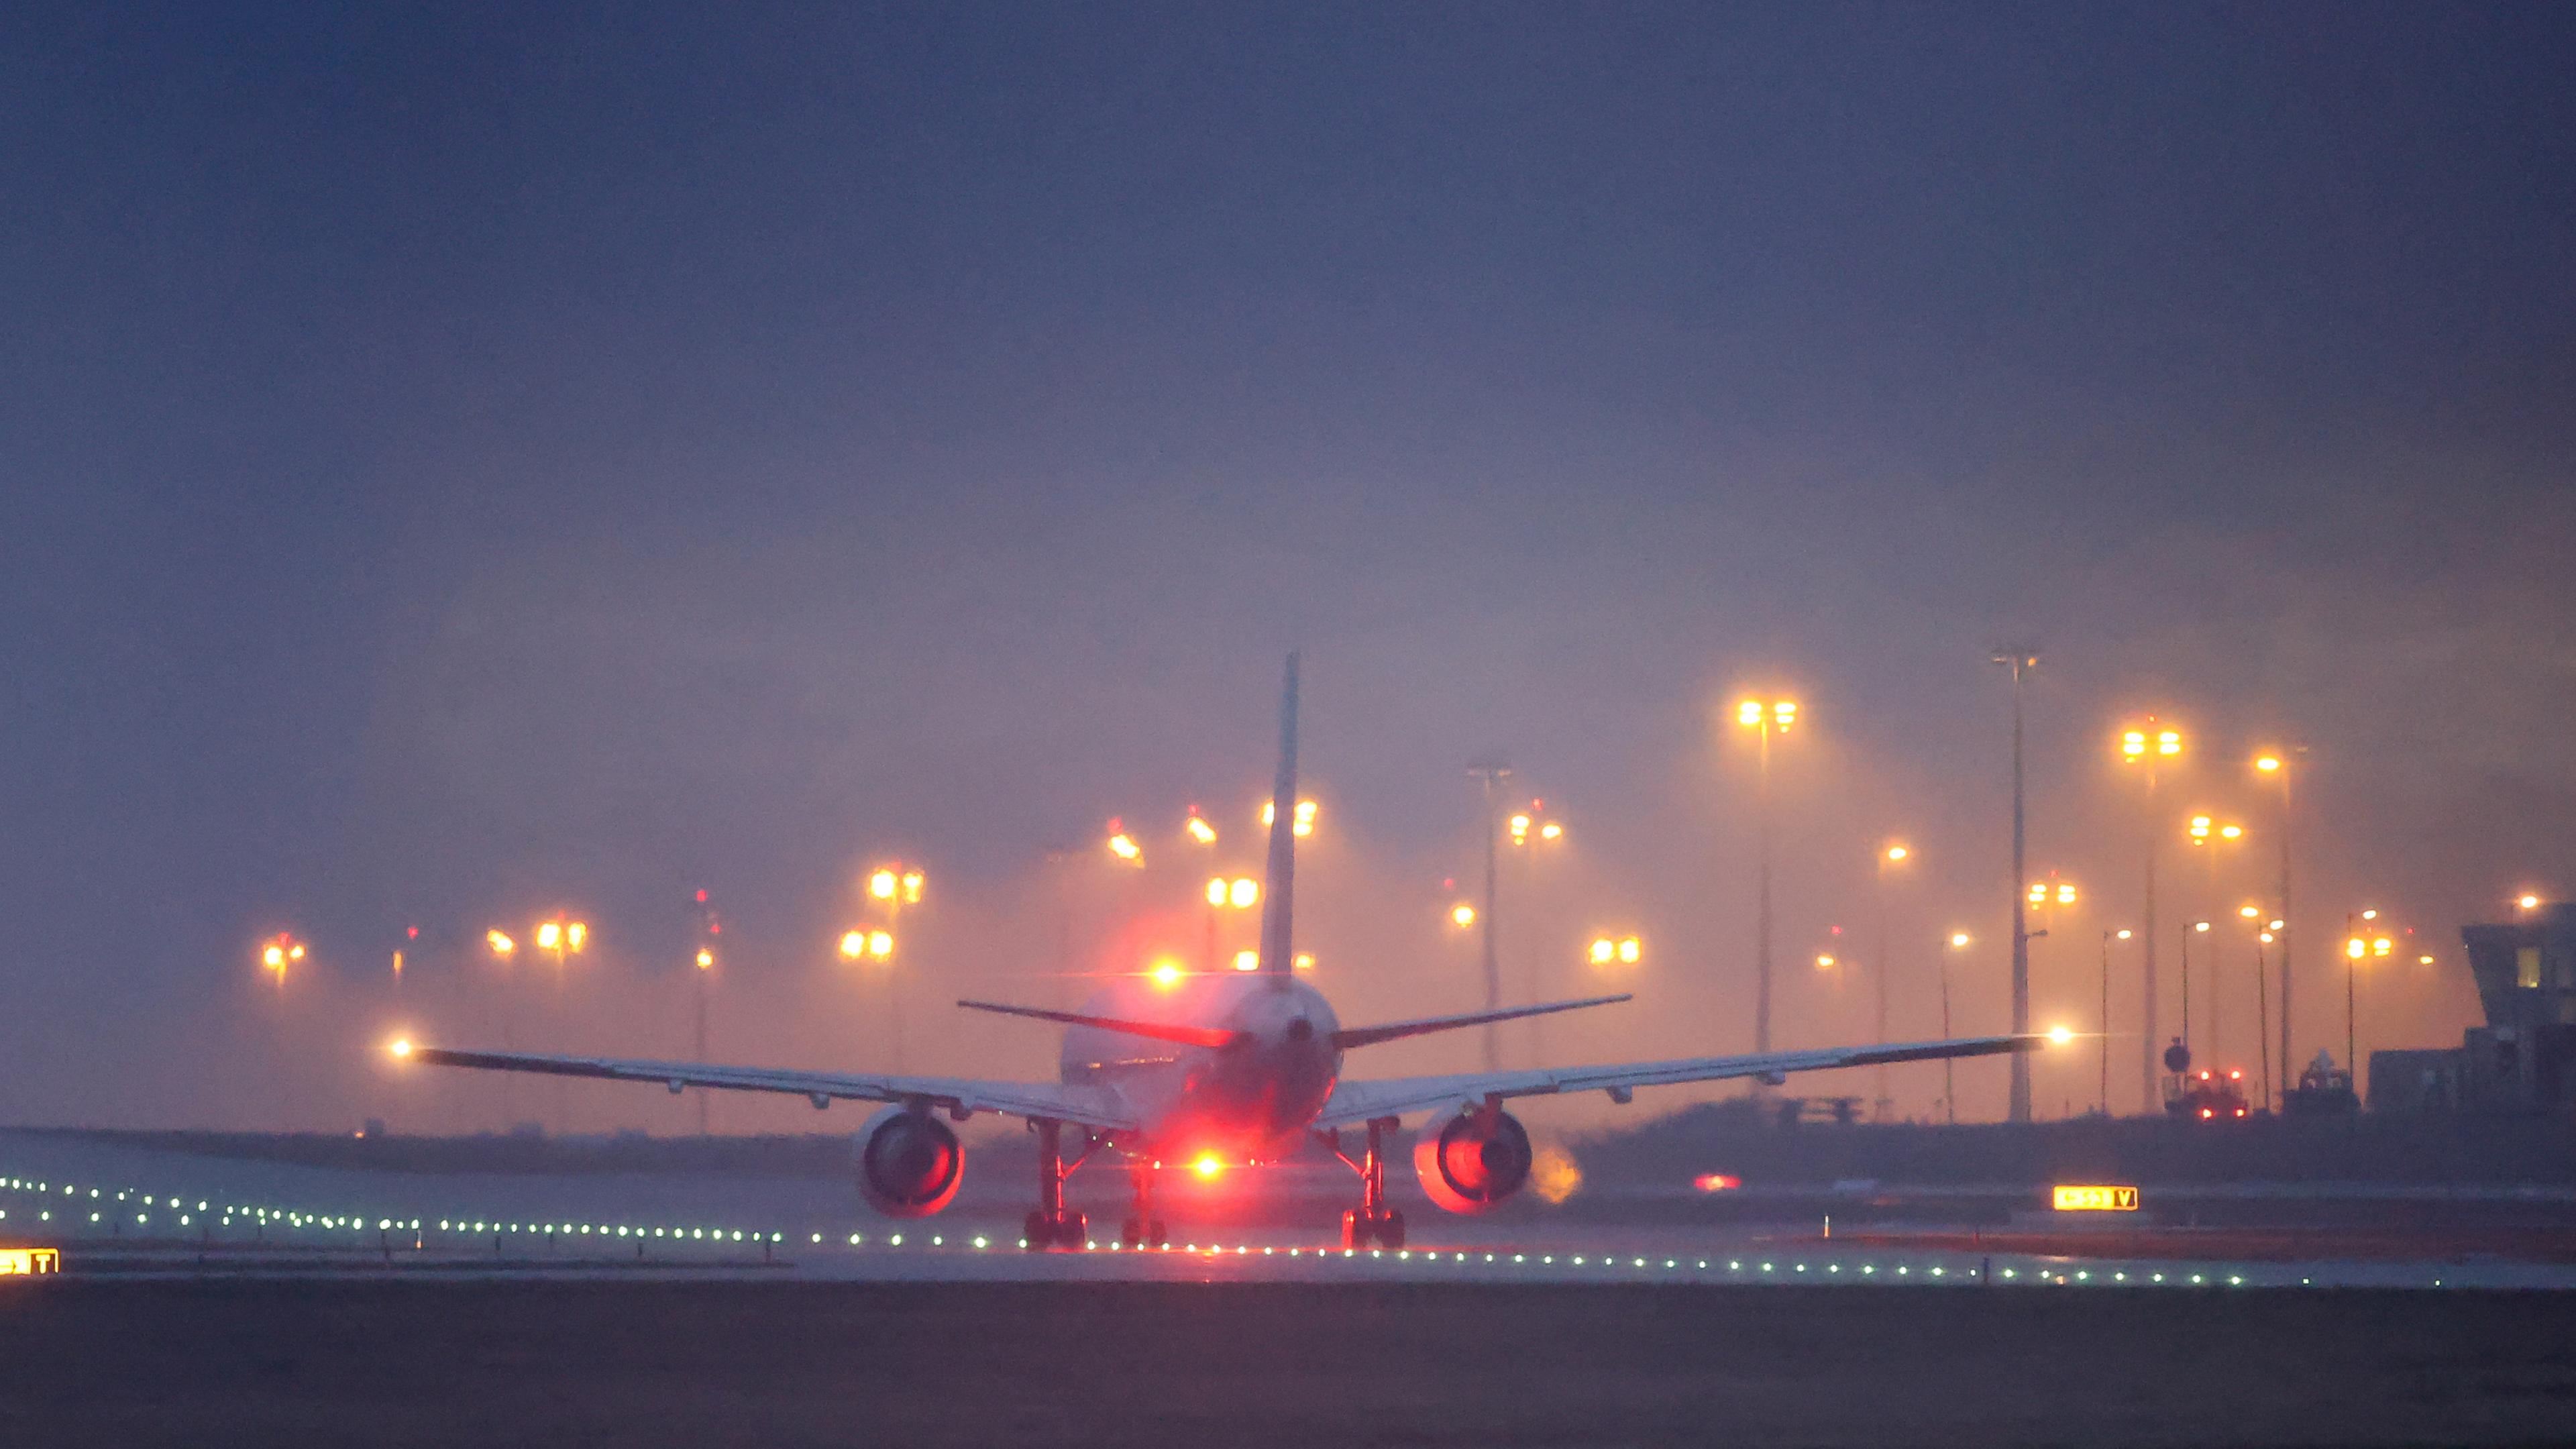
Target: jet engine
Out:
[1471,1162]
[910,1163]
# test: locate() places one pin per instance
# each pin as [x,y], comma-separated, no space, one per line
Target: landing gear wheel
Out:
[1160,1235]
[1055,1230]
[1131,1233]
[1362,1226]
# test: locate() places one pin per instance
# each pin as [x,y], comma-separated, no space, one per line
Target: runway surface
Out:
[641,1364]
[129,1211]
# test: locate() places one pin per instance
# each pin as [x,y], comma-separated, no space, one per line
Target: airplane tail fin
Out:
[1279,882]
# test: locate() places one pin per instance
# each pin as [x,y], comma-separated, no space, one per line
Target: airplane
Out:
[1234,1067]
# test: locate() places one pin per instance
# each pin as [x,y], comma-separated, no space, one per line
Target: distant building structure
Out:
[2524,1058]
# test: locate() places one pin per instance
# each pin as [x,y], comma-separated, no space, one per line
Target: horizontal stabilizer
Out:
[1360,1036]
[1206,1036]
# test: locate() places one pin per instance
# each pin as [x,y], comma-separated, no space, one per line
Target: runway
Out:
[122,1211]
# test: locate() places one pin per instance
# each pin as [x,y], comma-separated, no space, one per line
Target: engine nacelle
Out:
[910,1163]
[1471,1162]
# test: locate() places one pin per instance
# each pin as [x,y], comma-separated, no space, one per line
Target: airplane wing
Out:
[1395,1096]
[1084,1106]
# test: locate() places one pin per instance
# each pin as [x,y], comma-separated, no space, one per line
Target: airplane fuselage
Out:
[1252,1099]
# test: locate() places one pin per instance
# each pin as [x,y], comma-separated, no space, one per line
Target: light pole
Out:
[1240,893]
[2044,896]
[894,886]
[2275,764]
[2020,662]
[2107,938]
[2148,746]
[2356,946]
[1956,941]
[2207,835]
[1766,720]
[503,948]
[1492,773]
[1892,856]
[2197,928]
[706,960]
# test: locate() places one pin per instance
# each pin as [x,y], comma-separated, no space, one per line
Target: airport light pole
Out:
[2045,896]
[2357,947]
[1892,856]
[2274,765]
[1492,773]
[2107,938]
[2207,835]
[2020,662]
[2147,747]
[1955,941]
[1765,720]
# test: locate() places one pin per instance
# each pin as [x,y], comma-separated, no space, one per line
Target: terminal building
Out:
[2524,1059]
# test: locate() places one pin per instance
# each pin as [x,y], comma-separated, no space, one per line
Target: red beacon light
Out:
[1717,1182]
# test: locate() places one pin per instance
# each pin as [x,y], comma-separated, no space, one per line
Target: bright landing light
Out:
[2060,1036]
[1166,975]
[1207,1165]
[401,1048]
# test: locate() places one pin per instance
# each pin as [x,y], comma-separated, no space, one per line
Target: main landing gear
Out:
[1052,1225]
[1372,1220]
[1142,1229]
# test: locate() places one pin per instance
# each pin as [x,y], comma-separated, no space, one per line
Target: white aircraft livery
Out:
[1244,1065]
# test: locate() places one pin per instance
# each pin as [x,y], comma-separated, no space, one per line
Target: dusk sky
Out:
[462,463]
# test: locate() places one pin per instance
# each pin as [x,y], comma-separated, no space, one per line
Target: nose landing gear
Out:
[1372,1220]
[1142,1229]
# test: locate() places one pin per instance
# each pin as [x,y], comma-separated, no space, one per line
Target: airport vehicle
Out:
[1219,1067]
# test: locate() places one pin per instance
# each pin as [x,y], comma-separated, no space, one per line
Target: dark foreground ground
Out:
[649,1364]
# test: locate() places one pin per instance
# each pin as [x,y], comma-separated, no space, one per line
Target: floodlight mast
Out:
[2020,662]
[1492,773]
